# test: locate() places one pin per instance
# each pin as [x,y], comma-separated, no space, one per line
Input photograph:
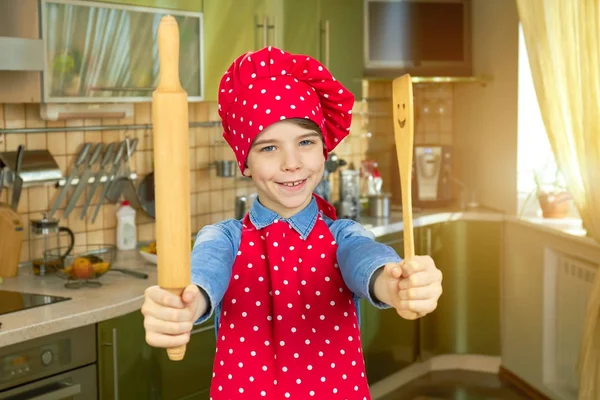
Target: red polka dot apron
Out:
[288,327]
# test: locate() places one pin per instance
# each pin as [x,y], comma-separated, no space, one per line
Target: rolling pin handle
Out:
[168,55]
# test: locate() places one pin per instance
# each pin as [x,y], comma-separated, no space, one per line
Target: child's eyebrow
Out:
[302,137]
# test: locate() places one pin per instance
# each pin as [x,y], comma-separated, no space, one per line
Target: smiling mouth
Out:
[292,183]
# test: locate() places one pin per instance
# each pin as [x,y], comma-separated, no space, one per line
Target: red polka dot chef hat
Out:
[270,85]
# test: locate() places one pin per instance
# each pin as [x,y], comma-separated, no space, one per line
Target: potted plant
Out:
[553,197]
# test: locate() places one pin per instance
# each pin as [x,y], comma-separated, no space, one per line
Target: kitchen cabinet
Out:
[328,30]
[101,52]
[467,319]
[301,27]
[128,368]
[389,341]
[232,28]
[342,41]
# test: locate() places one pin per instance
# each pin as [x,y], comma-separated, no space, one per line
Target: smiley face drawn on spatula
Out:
[401,122]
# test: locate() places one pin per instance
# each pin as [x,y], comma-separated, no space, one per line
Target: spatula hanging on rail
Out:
[403,116]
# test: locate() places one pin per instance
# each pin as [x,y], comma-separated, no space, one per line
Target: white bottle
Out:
[126,229]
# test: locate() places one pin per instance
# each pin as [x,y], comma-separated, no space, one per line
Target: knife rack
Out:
[61,182]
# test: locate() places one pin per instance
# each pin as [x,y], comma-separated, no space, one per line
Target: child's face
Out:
[286,162]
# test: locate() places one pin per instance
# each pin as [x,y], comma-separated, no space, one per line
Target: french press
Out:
[45,234]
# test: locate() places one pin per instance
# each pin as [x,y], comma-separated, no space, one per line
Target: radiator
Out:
[572,280]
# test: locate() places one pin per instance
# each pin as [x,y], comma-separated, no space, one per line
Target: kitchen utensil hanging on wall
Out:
[110,178]
[83,179]
[106,159]
[17,180]
[83,154]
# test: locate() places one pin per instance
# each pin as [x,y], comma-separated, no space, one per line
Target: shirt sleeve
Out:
[212,257]
[359,256]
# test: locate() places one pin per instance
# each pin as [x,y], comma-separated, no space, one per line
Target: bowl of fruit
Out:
[148,252]
[83,265]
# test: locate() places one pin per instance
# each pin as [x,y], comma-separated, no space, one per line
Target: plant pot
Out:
[554,204]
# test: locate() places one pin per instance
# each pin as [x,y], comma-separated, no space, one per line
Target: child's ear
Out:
[247,172]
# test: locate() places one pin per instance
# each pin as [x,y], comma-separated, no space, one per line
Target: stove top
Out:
[18,301]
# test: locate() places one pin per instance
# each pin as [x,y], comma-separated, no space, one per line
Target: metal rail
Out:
[206,124]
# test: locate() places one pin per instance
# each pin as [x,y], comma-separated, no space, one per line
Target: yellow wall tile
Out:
[37,141]
[14,116]
[32,116]
[57,143]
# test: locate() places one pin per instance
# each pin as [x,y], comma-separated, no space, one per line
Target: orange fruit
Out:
[82,268]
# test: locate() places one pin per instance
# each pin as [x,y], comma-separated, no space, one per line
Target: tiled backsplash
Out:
[212,197]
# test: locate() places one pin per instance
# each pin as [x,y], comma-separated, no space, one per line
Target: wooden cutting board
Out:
[11,241]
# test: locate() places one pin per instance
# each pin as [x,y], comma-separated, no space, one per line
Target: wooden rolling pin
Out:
[171,169]
[402,99]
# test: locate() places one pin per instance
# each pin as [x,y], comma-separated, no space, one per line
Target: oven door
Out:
[79,384]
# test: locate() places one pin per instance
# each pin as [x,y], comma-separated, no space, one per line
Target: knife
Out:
[18,180]
[117,186]
[112,174]
[80,159]
[83,179]
[108,154]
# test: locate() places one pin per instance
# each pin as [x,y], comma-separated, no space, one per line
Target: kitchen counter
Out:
[121,294]
[118,295]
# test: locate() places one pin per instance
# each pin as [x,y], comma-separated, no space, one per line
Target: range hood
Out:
[19,54]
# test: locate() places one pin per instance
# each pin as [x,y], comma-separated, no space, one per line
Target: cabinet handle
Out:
[428,241]
[113,344]
[327,42]
[274,26]
[265,27]
[202,329]
[55,391]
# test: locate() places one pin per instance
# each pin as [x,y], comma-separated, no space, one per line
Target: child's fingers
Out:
[163,297]
[413,265]
[190,293]
[394,270]
[417,306]
[419,293]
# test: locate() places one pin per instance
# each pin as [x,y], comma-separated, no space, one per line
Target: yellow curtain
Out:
[563,44]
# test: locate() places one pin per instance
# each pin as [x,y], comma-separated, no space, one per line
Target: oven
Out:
[60,366]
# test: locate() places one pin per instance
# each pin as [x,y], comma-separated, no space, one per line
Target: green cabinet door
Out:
[229,31]
[301,29]
[127,366]
[190,378]
[342,41]
[389,341]
[467,319]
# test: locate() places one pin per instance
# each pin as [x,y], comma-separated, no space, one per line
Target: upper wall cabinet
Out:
[328,30]
[101,52]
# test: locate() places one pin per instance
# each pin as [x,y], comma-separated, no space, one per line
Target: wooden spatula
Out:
[171,169]
[402,97]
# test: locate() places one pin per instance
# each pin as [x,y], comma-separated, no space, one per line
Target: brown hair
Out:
[307,124]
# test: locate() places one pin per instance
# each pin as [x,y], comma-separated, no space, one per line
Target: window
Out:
[534,155]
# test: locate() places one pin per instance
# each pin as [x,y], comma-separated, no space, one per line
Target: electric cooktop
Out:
[18,301]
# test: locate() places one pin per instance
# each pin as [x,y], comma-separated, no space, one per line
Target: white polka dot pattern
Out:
[300,332]
[270,85]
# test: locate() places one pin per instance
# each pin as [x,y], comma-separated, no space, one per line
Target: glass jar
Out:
[45,234]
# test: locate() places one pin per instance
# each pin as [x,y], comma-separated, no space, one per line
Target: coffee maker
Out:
[432,176]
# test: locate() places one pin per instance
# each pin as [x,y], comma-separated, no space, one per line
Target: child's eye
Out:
[306,142]
[268,148]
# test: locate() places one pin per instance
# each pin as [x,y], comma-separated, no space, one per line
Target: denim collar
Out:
[302,222]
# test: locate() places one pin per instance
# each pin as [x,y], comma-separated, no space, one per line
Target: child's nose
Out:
[291,161]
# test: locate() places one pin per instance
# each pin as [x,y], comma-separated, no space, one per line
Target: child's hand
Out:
[411,287]
[168,318]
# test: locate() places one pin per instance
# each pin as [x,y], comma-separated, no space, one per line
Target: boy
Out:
[285,280]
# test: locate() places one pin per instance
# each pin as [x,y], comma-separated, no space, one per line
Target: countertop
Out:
[121,294]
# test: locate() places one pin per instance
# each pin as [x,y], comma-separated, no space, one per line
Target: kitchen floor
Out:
[456,385]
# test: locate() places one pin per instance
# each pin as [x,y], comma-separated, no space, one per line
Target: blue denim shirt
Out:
[216,246]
